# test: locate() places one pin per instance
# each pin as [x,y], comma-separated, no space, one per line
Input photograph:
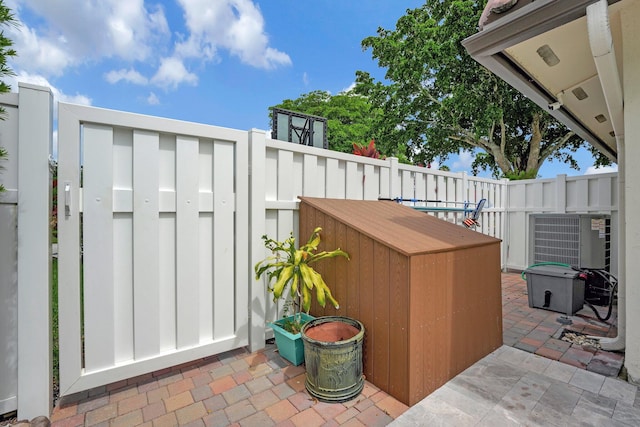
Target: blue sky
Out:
[220,62]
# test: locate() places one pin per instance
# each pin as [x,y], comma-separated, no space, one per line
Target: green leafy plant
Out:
[291,268]
[514,176]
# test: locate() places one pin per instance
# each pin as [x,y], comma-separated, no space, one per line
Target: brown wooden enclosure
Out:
[427,291]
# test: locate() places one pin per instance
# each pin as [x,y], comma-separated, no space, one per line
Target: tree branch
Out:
[554,146]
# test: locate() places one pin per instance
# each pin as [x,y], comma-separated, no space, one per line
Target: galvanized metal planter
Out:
[334,369]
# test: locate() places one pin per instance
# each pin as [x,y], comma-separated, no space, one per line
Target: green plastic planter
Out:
[289,345]
[334,368]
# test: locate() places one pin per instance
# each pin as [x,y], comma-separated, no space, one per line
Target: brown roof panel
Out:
[400,227]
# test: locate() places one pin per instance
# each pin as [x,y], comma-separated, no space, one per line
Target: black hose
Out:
[614,286]
[603,273]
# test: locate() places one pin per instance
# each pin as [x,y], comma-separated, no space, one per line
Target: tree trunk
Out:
[499,154]
[533,162]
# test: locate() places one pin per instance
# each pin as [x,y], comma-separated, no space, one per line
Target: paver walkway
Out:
[262,389]
[511,387]
[539,331]
[235,388]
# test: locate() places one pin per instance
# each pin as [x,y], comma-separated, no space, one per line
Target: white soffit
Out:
[576,68]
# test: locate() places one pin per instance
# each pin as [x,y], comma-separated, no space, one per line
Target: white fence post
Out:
[466,197]
[34,251]
[504,221]
[561,193]
[9,256]
[394,185]
[257,294]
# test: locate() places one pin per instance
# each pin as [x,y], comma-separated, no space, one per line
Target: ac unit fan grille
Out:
[557,239]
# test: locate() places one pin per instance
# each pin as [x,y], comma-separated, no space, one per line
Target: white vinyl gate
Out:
[153,241]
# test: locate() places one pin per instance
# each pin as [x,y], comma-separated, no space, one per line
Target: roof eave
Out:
[536,18]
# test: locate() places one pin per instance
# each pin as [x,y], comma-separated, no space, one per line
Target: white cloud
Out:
[153,99]
[58,95]
[465,159]
[38,54]
[349,88]
[130,76]
[110,28]
[54,36]
[236,25]
[602,169]
[172,73]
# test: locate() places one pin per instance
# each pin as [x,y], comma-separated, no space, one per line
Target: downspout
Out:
[604,57]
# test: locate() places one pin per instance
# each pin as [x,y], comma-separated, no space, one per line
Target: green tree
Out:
[350,117]
[438,101]
[6,50]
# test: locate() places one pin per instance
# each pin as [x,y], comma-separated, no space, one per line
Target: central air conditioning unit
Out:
[582,241]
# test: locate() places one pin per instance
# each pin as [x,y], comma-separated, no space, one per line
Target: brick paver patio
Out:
[235,388]
[538,331]
[262,389]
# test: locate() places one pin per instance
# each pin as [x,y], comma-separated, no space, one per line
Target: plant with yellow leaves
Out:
[291,267]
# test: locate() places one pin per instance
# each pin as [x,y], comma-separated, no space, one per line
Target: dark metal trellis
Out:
[299,128]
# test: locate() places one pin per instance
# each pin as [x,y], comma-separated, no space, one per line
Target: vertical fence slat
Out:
[100,308]
[123,285]
[69,249]
[285,175]
[353,183]
[605,198]
[146,314]
[258,306]
[186,249]
[451,196]
[371,183]
[310,180]
[243,278]
[334,178]
[123,244]
[271,174]
[271,230]
[206,260]
[406,185]
[224,240]
[207,263]
[167,243]
[421,187]
[9,257]
[582,191]
[395,188]
[561,193]
[431,183]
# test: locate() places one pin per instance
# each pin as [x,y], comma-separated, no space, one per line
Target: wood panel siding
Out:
[426,290]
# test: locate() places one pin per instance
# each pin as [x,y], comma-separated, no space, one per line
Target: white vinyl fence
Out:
[159,211]
[25,255]
[160,224]
[294,170]
[9,258]
[582,195]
